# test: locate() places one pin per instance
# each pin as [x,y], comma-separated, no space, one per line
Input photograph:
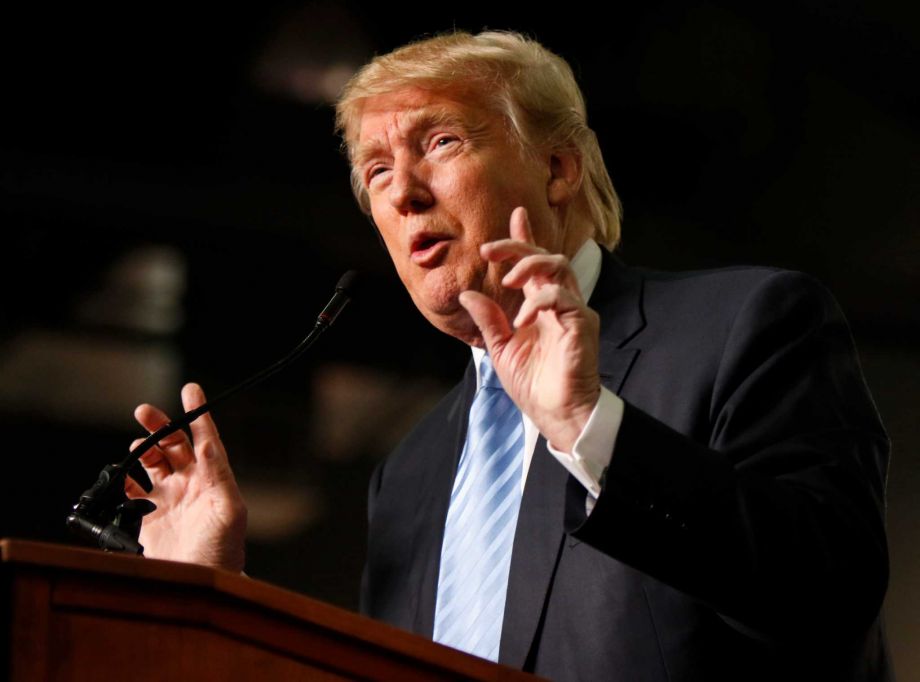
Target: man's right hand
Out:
[200,516]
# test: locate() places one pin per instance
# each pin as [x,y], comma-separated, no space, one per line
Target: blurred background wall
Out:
[175,207]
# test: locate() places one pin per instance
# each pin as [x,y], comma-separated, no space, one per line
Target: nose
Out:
[409,191]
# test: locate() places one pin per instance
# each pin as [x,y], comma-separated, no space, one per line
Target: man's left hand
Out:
[547,358]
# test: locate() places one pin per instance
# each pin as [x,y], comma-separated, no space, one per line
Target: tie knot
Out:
[487,376]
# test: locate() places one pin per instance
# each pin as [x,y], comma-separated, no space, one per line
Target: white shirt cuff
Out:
[592,451]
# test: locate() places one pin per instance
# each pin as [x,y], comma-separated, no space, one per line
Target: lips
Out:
[428,249]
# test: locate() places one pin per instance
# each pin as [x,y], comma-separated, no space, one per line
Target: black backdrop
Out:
[195,147]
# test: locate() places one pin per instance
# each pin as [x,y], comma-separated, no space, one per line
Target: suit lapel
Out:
[537,541]
[540,536]
[617,298]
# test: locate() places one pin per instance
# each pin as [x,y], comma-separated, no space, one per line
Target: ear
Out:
[565,176]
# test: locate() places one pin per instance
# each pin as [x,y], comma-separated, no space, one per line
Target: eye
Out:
[442,141]
[373,172]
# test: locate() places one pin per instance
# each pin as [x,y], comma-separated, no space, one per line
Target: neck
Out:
[575,235]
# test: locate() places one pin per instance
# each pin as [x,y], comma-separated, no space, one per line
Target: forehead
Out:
[409,109]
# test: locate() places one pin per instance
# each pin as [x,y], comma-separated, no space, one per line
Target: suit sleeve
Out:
[777,522]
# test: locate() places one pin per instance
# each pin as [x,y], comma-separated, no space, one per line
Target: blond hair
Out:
[534,89]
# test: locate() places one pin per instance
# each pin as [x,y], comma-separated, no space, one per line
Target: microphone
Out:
[103,515]
[344,290]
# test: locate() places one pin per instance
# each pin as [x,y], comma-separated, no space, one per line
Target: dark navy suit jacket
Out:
[739,534]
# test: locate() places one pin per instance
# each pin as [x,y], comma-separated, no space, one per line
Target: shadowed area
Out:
[175,207]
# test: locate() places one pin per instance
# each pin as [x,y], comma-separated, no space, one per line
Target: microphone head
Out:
[346,283]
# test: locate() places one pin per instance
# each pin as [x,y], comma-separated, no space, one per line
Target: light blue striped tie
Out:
[479,532]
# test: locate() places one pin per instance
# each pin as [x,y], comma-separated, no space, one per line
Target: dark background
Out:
[175,207]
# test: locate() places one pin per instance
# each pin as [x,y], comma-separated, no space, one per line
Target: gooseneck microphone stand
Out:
[105,517]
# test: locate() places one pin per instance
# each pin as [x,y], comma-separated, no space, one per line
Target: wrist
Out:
[564,429]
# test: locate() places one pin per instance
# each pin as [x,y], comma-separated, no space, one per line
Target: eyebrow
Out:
[415,120]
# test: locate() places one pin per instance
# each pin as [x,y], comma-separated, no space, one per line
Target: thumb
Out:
[489,318]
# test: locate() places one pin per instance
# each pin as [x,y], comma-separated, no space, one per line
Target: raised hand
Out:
[547,358]
[200,516]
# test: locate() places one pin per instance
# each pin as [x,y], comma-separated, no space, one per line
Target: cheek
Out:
[385,228]
[465,194]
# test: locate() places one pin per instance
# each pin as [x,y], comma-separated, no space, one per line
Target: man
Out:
[687,481]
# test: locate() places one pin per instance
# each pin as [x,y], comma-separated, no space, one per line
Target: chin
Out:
[458,324]
[441,307]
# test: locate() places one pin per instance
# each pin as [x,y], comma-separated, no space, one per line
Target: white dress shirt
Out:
[592,450]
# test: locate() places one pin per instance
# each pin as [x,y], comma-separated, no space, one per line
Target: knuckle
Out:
[209,448]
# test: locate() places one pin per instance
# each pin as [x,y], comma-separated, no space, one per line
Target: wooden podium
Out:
[81,614]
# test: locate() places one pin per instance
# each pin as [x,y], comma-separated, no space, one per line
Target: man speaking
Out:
[642,476]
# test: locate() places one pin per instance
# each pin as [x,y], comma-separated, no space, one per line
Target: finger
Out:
[154,457]
[520,244]
[520,226]
[209,450]
[133,489]
[137,471]
[543,268]
[508,249]
[203,427]
[133,492]
[489,318]
[550,297]
[175,446]
[154,461]
[153,418]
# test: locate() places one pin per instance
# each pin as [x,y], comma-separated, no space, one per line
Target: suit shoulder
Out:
[690,319]
[736,278]
[727,291]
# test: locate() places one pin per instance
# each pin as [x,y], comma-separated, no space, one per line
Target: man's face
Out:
[443,177]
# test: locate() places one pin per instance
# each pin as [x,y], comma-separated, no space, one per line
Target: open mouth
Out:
[427,243]
[429,249]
